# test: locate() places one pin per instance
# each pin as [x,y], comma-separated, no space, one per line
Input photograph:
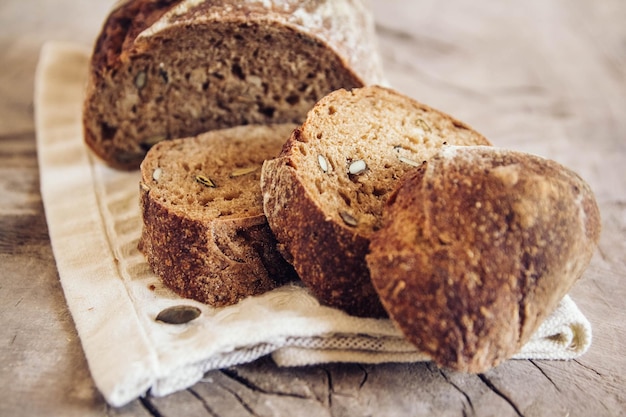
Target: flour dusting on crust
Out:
[346,26]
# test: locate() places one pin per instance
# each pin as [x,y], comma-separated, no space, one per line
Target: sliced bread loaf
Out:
[204,232]
[324,195]
[477,248]
[169,69]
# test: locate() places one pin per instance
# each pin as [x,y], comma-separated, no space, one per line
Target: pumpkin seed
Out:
[156,174]
[321,159]
[425,126]
[178,314]
[409,161]
[357,167]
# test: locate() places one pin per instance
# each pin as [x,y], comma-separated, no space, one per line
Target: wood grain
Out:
[547,77]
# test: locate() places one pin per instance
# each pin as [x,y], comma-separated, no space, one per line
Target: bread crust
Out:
[169,69]
[213,258]
[219,262]
[478,247]
[328,253]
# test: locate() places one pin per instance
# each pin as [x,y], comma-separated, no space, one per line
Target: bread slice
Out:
[478,247]
[170,69]
[324,195]
[204,232]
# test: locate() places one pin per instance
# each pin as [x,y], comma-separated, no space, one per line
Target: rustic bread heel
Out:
[477,248]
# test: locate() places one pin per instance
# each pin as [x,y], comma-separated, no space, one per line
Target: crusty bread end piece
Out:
[477,248]
[204,232]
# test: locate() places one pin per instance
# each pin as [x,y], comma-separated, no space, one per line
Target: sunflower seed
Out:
[178,314]
[156,174]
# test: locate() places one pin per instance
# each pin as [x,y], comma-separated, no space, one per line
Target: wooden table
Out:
[543,76]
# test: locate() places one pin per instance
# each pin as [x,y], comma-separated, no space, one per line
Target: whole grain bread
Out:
[204,232]
[324,195]
[169,69]
[477,248]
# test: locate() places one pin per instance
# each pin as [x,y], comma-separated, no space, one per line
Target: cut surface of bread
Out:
[478,247]
[170,69]
[204,232]
[325,194]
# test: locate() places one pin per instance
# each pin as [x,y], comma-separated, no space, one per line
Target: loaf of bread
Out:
[204,232]
[169,69]
[325,194]
[477,248]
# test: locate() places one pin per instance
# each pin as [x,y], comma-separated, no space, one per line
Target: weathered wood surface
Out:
[544,76]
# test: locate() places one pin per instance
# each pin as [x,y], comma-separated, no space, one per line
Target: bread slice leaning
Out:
[477,248]
[169,69]
[204,232]
[324,195]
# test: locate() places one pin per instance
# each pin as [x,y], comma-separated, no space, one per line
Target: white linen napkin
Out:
[94,224]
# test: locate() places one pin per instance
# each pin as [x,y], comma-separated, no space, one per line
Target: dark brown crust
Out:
[216,262]
[477,250]
[123,25]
